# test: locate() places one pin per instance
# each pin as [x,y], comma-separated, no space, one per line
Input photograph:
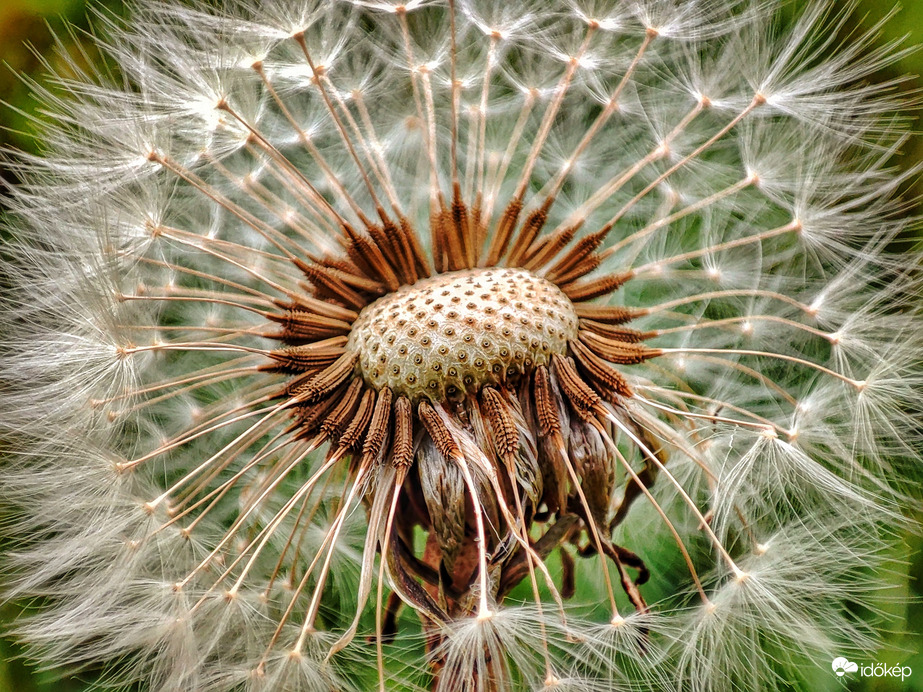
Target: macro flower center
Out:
[459,331]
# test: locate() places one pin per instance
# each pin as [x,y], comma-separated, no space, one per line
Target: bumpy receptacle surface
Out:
[462,330]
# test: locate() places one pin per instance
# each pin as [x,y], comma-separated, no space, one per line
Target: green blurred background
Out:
[27,29]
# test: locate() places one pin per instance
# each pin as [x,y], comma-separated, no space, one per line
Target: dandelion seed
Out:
[350,338]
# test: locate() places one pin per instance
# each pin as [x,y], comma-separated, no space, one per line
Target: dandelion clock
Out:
[460,347]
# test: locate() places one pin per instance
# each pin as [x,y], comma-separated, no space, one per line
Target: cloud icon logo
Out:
[841,666]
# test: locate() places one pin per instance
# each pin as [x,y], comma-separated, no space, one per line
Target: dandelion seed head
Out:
[459,346]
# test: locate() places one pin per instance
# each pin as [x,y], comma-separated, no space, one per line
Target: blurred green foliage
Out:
[27,30]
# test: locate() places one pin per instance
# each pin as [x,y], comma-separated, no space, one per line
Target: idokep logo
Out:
[842,665]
